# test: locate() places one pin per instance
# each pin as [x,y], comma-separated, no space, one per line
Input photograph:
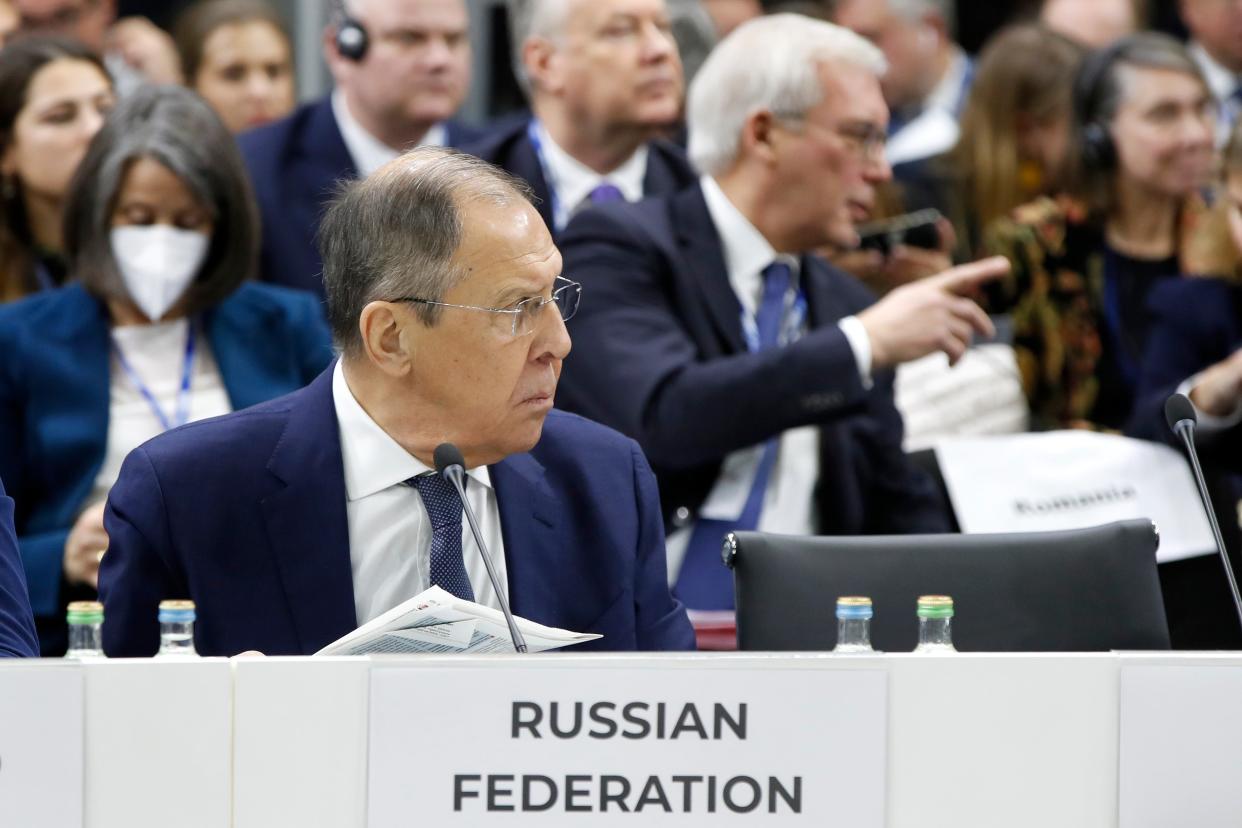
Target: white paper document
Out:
[434,621]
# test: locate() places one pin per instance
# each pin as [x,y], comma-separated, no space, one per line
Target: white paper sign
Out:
[1071,480]
[1181,747]
[40,744]
[520,746]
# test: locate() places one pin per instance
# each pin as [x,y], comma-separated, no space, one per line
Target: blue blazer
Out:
[245,514]
[296,165]
[55,380]
[659,354]
[17,630]
[509,147]
[1195,324]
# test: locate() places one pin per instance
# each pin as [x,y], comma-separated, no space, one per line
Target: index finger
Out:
[965,277]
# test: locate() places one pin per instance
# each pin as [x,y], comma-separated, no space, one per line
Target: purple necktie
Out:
[605,194]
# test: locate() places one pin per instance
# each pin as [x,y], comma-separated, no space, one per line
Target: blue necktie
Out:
[704,582]
[447,570]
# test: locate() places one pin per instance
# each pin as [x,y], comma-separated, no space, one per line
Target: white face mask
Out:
[157,263]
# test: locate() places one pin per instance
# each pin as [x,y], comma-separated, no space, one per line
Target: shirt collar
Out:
[746,251]
[950,93]
[368,152]
[1220,80]
[372,460]
[574,181]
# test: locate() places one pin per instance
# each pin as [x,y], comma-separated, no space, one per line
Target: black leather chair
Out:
[1081,590]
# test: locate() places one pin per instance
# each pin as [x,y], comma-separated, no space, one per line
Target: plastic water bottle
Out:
[85,630]
[177,630]
[935,619]
[853,625]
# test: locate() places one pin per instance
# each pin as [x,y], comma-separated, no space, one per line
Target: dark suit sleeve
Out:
[662,623]
[42,553]
[314,338]
[17,632]
[136,573]
[635,366]
[1190,332]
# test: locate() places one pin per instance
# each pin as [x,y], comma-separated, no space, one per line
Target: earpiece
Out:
[351,39]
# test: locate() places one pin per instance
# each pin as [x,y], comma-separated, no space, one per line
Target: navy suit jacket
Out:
[296,165]
[668,169]
[1196,323]
[17,630]
[659,354]
[245,514]
[55,377]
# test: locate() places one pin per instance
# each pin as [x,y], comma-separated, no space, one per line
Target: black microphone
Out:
[452,467]
[1179,413]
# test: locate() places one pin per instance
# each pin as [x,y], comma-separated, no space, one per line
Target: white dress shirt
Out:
[571,182]
[368,152]
[389,534]
[935,130]
[788,501]
[156,353]
[1223,84]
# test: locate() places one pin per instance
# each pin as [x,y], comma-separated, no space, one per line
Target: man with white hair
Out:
[604,81]
[928,75]
[756,377]
[1215,28]
[402,69]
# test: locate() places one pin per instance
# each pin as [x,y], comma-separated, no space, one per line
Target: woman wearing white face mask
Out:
[159,330]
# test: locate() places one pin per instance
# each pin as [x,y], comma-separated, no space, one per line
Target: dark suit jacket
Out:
[659,354]
[245,514]
[295,166]
[55,378]
[668,169]
[17,630]
[1196,323]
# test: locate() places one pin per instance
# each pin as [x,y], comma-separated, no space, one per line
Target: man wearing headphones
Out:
[402,69]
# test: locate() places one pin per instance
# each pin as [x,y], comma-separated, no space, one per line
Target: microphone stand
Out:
[454,474]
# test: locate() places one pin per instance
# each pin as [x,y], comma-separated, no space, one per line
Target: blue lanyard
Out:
[559,219]
[181,414]
[790,327]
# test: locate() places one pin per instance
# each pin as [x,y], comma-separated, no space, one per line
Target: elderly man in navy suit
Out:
[402,70]
[292,522]
[604,81]
[755,376]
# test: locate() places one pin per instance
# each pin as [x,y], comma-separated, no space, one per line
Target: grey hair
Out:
[769,63]
[177,128]
[394,234]
[533,18]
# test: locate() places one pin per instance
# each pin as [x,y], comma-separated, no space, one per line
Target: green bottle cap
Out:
[85,612]
[935,606]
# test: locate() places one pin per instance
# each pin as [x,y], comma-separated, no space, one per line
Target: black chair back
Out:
[1081,590]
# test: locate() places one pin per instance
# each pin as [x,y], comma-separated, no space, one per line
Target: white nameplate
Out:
[1072,480]
[1181,746]
[41,744]
[642,744]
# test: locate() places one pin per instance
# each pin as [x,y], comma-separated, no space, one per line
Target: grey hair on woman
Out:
[178,129]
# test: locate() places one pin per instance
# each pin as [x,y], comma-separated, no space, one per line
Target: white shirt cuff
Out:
[1210,423]
[860,343]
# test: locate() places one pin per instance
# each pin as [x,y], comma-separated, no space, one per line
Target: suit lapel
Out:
[525,164]
[538,567]
[824,305]
[306,520]
[703,258]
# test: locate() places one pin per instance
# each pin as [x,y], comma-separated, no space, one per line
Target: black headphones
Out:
[1098,150]
[351,36]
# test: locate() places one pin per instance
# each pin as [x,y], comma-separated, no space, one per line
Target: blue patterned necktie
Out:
[704,582]
[447,569]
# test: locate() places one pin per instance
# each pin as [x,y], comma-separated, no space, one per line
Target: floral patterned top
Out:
[1076,347]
